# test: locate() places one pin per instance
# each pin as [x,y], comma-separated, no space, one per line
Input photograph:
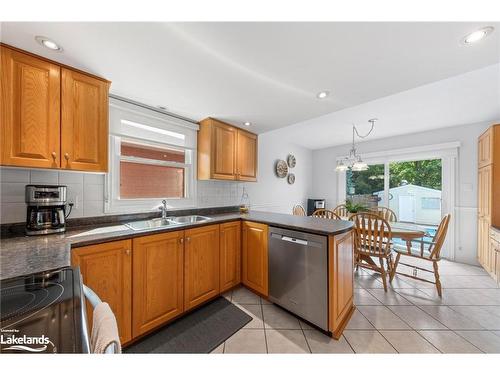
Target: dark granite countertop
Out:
[24,255]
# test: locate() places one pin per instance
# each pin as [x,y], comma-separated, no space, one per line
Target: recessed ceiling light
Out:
[322,94]
[477,35]
[47,43]
[247,123]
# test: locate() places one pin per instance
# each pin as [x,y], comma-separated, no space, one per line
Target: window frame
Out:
[119,111]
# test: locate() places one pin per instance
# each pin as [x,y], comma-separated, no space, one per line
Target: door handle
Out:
[294,240]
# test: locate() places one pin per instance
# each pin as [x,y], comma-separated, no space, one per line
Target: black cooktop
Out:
[42,313]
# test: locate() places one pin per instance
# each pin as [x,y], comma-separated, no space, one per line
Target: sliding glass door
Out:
[412,189]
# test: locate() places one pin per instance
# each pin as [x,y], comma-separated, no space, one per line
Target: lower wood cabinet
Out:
[340,281]
[255,257]
[201,265]
[230,255]
[107,269]
[158,283]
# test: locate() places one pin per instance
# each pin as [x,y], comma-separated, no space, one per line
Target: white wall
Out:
[325,177]
[86,190]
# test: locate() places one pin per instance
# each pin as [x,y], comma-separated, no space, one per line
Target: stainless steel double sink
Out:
[170,221]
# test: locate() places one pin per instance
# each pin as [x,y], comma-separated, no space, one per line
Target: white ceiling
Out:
[266,73]
[469,98]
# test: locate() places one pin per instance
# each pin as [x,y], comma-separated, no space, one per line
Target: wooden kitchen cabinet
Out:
[107,269]
[247,156]
[30,110]
[53,116]
[84,124]
[201,265]
[255,257]
[158,280]
[340,281]
[230,255]
[488,196]
[226,152]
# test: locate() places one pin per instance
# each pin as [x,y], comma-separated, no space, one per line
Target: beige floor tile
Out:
[286,341]
[383,318]
[408,342]
[228,295]
[362,297]
[462,297]
[246,341]
[368,282]
[306,325]
[464,282]
[481,315]
[245,297]
[449,342]
[255,311]
[450,318]
[218,350]
[486,341]
[389,298]
[416,318]
[488,297]
[265,301]
[358,321]
[400,282]
[419,297]
[368,342]
[321,343]
[277,318]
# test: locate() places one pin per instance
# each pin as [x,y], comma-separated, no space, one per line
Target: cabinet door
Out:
[201,265]
[106,269]
[30,111]
[158,280]
[255,256]
[224,151]
[230,255]
[485,148]
[84,125]
[340,280]
[247,156]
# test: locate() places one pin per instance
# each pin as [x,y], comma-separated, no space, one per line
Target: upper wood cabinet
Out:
[201,265]
[53,116]
[158,269]
[107,269]
[247,156]
[226,152]
[488,200]
[230,255]
[30,106]
[84,126]
[255,256]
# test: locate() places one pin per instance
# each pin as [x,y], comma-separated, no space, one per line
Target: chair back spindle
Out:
[326,214]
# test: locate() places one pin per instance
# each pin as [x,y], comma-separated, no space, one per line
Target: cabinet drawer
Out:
[495,234]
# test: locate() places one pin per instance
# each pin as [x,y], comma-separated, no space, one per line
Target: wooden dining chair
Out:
[298,210]
[431,254]
[372,239]
[326,214]
[341,210]
[385,213]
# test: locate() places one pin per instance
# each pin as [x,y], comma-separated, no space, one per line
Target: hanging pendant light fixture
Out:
[354,161]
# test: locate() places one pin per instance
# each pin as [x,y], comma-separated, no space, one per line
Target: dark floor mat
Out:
[201,331]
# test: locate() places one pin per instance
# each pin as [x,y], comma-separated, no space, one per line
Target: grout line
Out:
[263,324]
[305,338]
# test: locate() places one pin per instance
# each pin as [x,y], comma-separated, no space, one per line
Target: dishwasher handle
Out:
[294,240]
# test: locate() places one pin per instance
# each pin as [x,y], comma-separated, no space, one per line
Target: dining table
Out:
[402,230]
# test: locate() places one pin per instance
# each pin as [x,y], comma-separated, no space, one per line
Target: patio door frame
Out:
[447,152]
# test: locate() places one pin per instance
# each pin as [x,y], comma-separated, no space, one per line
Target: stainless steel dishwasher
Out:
[298,274]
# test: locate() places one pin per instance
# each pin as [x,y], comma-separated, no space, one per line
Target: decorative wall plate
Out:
[291,178]
[291,161]
[281,168]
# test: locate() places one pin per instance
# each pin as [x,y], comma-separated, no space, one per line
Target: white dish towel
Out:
[104,330]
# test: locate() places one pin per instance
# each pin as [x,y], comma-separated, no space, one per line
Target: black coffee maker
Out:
[46,211]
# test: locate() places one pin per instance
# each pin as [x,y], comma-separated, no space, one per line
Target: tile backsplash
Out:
[86,191]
